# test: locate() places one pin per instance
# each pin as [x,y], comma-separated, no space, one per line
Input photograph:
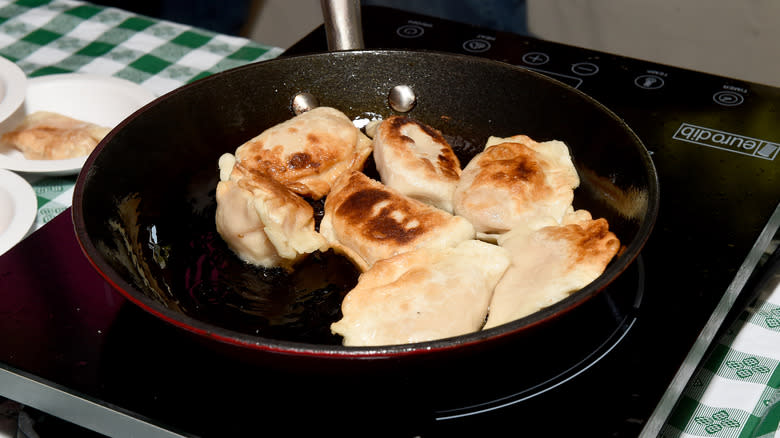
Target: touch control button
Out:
[649,82]
[536,58]
[476,45]
[410,31]
[728,98]
[585,68]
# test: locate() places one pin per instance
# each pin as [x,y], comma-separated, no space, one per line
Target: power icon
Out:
[728,98]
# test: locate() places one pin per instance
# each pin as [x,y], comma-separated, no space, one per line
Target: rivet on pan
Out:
[402,98]
[303,102]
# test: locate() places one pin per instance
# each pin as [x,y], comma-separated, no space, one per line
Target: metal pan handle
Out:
[343,26]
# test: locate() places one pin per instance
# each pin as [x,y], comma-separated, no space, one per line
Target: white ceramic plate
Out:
[13,86]
[103,100]
[18,207]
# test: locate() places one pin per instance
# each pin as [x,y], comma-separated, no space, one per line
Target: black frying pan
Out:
[144,204]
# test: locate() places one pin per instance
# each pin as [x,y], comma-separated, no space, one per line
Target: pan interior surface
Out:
[144,208]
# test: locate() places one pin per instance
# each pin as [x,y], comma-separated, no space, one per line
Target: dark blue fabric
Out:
[229,16]
[222,16]
[505,15]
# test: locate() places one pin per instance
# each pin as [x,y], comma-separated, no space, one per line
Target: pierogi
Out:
[424,276]
[550,263]
[422,295]
[416,160]
[262,221]
[368,221]
[516,182]
[307,152]
[45,135]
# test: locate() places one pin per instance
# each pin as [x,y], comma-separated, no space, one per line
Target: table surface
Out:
[736,392]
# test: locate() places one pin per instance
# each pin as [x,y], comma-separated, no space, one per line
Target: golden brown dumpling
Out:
[307,152]
[45,135]
[367,221]
[516,182]
[549,264]
[422,295]
[416,160]
[262,221]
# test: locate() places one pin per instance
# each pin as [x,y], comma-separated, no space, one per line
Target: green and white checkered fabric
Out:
[55,195]
[60,36]
[736,393]
[65,36]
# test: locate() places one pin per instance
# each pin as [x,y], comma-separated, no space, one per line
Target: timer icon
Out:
[410,31]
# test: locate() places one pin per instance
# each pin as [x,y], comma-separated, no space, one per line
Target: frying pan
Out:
[144,205]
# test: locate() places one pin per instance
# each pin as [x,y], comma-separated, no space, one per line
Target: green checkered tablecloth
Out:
[55,195]
[736,392]
[61,36]
[64,36]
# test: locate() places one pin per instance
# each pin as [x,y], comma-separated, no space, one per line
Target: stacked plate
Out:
[18,204]
[102,100]
[18,207]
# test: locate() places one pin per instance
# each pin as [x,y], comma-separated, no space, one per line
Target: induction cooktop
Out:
[72,346]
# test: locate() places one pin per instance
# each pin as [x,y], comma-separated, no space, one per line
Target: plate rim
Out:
[25,203]
[14,96]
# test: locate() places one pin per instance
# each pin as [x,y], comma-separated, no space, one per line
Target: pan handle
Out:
[343,25]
